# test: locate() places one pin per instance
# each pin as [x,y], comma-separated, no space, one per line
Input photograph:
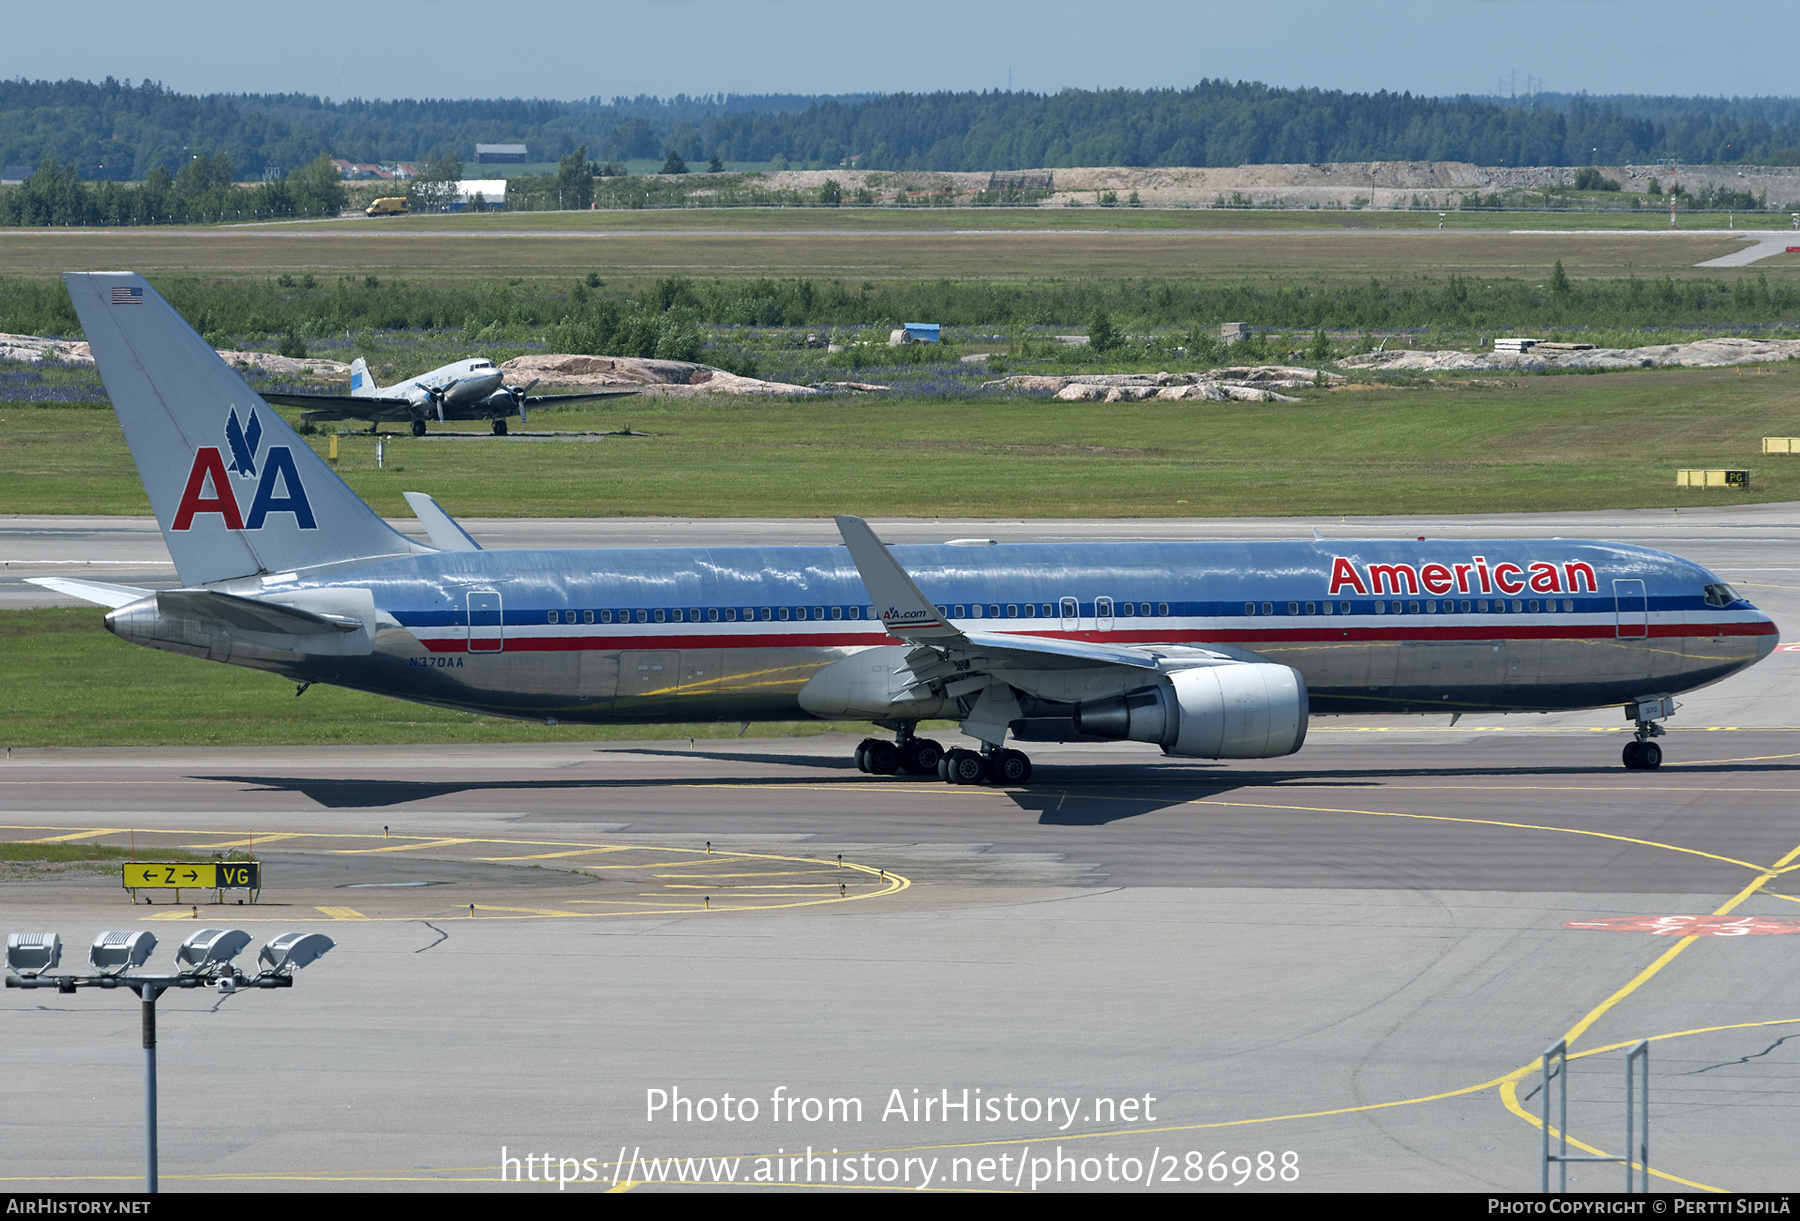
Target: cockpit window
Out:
[1722,595]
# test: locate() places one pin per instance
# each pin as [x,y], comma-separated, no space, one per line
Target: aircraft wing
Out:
[345,406]
[533,402]
[995,666]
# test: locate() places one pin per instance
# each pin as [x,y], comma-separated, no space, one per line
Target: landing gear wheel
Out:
[1649,756]
[964,767]
[862,754]
[883,758]
[1011,767]
[418,428]
[499,428]
[922,755]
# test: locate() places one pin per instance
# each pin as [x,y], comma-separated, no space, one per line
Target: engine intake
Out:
[1256,710]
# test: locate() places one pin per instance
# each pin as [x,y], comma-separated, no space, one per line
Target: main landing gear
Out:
[499,428]
[995,765]
[918,756]
[923,757]
[1642,754]
[418,428]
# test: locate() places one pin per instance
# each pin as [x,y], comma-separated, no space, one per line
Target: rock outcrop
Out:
[1703,353]
[1250,383]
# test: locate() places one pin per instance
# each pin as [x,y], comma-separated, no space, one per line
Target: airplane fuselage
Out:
[652,635]
[465,386]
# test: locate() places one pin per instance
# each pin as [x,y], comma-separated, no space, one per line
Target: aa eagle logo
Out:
[209,483]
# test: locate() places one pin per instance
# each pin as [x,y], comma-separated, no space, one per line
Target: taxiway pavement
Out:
[1353,956]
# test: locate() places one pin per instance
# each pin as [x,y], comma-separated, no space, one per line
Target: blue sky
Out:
[564,49]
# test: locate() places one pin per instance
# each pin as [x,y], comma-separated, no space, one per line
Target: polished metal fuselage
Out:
[728,634]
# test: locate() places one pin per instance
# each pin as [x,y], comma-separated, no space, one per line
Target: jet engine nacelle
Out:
[1256,710]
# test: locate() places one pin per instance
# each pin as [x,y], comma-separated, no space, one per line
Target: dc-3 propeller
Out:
[518,394]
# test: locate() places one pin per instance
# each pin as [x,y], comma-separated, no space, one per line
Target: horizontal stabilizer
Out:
[442,527]
[250,614]
[97,592]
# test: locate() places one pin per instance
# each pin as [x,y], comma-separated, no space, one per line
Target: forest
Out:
[118,131]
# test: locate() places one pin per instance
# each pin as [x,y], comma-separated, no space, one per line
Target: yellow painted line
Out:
[740,887]
[545,856]
[768,873]
[530,911]
[89,834]
[250,841]
[1486,822]
[1050,1138]
[417,846]
[1509,1093]
[343,913]
[650,864]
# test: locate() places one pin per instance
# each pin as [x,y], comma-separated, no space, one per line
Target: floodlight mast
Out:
[205,958]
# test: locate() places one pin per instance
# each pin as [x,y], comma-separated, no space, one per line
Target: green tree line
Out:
[118,131]
[202,191]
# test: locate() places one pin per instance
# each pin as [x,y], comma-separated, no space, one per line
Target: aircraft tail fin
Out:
[361,381]
[235,491]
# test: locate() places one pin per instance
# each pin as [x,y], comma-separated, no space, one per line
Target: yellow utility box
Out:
[1712,479]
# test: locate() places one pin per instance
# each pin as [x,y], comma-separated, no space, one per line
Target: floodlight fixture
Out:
[210,950]
[31,954]
[287,953]
[113,952]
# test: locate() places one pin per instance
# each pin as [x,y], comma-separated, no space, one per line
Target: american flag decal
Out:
[128,296]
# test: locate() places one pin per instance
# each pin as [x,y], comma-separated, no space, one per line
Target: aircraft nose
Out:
[1766,644]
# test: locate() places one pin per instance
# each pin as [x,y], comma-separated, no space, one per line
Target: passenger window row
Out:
[1449,606]
[715,614]
[785,614]
[1103,608]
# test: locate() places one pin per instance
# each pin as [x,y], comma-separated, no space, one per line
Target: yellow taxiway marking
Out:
[546,856]
[767,873]
[416,845]
[1486,822]
[74,835]
[250,841]
[873,883]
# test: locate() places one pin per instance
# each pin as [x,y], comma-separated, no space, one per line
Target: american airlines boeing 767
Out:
[1208,650]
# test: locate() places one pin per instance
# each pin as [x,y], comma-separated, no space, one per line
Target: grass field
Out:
[1465,444]
[70,683]
[1477,444]
[633,248]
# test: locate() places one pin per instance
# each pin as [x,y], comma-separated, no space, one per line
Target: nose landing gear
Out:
[1642,754]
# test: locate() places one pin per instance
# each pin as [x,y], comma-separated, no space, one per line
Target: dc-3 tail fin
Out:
[235,491]
[360,381]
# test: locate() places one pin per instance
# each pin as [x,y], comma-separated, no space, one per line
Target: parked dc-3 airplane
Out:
[465,390]
[1209,650]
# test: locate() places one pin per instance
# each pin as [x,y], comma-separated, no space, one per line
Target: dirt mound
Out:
[657,377]
[1251,383]
[1704,353]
